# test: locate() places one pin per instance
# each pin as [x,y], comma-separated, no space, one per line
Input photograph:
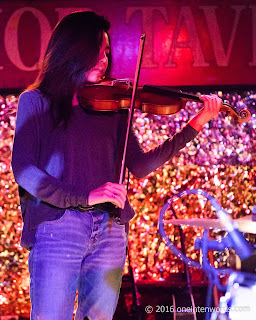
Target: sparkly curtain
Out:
[220,160]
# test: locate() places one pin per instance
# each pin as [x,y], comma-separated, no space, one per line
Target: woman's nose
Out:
[104,58]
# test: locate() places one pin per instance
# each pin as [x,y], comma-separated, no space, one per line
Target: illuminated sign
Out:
[187,42]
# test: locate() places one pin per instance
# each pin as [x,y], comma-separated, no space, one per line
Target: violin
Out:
[115,95]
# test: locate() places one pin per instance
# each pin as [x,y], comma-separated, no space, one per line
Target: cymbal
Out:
[245,224]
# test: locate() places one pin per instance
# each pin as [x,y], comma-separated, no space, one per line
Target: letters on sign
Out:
[186,44]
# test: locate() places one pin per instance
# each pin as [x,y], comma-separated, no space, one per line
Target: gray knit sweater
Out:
[56,168]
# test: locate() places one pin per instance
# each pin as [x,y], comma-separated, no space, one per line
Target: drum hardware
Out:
[245,224]
[239,300]
[234,239]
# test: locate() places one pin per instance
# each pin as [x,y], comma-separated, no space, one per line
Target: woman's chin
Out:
[94,78]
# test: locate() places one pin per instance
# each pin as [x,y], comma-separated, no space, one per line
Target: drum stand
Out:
[234,240]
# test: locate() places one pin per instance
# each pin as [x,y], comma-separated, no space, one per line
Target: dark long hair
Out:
[72,50]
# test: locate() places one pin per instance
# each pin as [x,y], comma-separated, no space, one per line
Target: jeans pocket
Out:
[58,219]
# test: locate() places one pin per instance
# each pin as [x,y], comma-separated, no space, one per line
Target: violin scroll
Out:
[240,116]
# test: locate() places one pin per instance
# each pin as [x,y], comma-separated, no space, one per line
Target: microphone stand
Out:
[189,287]
[136,308]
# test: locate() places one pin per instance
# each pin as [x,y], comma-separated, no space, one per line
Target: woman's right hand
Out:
[108,192]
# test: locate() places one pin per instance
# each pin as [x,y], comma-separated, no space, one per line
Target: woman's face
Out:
[97,72]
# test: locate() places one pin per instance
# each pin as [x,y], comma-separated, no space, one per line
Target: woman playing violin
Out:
[64,162]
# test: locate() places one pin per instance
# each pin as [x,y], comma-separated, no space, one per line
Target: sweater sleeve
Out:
[25,156]
[141,163]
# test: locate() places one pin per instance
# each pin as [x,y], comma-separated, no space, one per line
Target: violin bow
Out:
[135,85]
[108,206]
[136,308]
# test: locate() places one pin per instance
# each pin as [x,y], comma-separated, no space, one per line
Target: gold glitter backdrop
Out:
[221,161]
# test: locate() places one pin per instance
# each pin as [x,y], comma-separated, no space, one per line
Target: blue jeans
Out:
[80,252]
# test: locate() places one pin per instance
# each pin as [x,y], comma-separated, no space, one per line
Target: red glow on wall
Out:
[186,43]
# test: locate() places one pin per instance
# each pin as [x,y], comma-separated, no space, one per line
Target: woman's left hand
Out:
[212,105]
